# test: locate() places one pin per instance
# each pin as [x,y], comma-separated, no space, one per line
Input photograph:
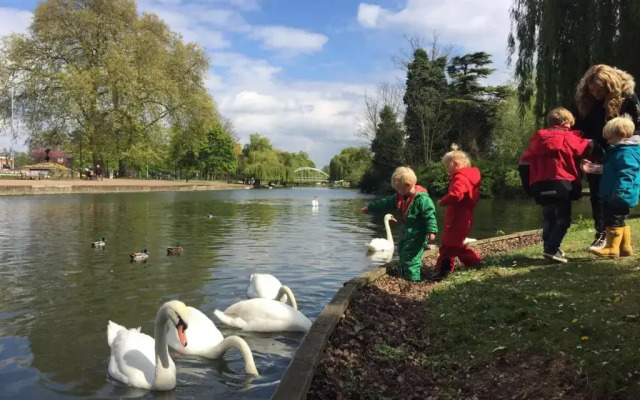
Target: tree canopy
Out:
[107,81]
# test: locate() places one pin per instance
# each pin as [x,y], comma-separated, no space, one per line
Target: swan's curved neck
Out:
[388,229]
[163,361]
[284,290]
[240,344]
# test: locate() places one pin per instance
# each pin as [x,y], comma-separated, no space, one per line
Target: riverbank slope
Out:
[44,186]
[519,328]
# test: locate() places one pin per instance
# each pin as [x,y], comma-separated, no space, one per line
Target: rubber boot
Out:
[625,245]
[612,248]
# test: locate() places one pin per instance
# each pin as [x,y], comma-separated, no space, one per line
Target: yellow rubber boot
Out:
[625,245]
[612,248]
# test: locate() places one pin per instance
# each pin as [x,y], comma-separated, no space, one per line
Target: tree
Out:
[425,117]
[350,165]
[388,145]
[218,155]
[555,42]
[511,129]
[472,105]
[96,71]
[386,95]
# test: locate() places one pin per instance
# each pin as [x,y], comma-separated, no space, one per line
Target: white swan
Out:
[140,361]
[206,340]
[266,286]
[314,202]
[383,244]
[264,315]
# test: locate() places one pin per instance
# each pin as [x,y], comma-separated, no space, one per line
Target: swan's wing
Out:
[132,359]
[230,320]
[265,315]
[263,286]
[380,244]
[202,334]
[113,329]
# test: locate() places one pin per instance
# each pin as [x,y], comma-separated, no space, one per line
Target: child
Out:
[619,185]
[460,200]
[419,217]
[552,176]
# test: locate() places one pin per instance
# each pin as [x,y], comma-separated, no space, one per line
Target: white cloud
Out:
[282,37]
[313,116]
[474,25]
[14,20]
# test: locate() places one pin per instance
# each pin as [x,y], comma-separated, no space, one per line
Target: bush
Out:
[499,179]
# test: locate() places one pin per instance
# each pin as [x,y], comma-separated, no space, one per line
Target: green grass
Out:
[585,313]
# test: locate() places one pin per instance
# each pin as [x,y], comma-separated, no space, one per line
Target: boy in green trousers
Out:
[418,214]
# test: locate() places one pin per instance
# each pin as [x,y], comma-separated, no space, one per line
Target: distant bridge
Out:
[308,174]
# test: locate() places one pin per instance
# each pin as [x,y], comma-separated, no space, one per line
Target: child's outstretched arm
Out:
[382,205]
[456,192]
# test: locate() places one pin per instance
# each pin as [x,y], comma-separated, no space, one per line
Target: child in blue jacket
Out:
[619,185]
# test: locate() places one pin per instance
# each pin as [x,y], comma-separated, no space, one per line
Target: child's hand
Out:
[431,236]
[364,210]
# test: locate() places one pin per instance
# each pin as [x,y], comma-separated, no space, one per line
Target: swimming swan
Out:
[264,315]
[140,361]
[266,286]
[383,244]
[314,202]
[206,340]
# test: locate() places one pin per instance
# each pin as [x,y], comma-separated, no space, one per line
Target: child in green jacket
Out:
[418,214]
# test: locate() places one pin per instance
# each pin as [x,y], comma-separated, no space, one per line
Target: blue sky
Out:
[296,71]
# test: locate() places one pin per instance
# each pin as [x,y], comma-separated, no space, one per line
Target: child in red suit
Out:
[460,200]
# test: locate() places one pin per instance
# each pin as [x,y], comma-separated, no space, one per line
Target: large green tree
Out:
[555,42]
[425,115]
[350,165]
[472,105]
[388,145]
[112,81]
[218,154]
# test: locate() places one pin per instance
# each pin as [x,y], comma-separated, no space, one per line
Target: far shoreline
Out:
[23,187]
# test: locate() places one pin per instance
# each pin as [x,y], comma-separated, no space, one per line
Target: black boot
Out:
[446,266]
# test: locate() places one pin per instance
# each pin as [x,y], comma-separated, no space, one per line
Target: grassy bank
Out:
[520,328]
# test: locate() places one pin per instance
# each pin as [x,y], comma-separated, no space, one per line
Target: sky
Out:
[296,71]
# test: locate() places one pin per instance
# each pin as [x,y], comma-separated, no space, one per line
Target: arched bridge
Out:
[309,174]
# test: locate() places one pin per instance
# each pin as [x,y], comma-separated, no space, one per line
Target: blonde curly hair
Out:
[457,157]
[613,81]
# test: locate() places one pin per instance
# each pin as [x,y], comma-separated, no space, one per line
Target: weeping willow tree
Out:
[555,42]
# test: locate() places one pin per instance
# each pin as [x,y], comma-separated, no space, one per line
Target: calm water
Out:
[57,293]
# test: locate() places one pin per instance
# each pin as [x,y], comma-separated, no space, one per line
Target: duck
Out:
[266,286]
[209,216]
[143,255]
[383,244]
[264,315]
[314,202]
[205,340]
[175,250]
[141,361]
[99,243]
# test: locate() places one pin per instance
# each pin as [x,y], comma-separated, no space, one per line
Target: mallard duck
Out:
[98,243]
[143,255]
[175,250]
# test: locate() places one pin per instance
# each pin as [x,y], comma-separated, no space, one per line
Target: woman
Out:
[603,93]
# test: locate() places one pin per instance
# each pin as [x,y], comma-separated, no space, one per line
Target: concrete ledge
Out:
[297,378]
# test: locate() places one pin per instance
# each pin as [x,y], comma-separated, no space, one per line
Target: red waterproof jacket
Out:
[552,154]
[461,198]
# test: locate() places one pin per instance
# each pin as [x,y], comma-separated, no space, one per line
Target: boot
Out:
[625,245]
[612,248]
